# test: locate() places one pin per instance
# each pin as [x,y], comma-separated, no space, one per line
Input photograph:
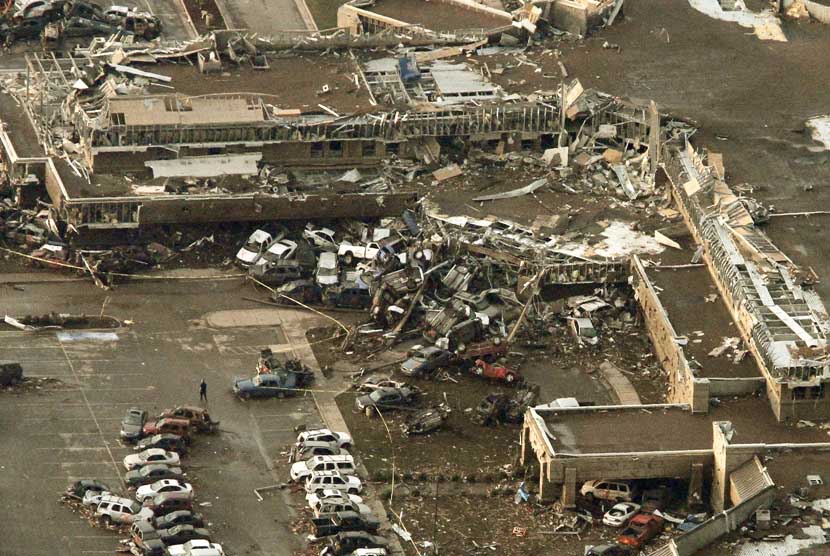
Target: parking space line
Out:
[97,423]
[68,419]
[80,448]
[292,414]
[59,404]
[265,431]
[76,463]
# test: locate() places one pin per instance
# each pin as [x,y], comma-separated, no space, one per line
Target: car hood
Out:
[244,384]
[246,256]
[132,459]
[299,468]
[412,363]
[130,429]
[363,401]
[144,492]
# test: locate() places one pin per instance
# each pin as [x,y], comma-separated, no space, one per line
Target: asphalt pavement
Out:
[67,431]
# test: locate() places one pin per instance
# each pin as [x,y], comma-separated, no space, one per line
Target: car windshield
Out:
[252,245]
[133,418]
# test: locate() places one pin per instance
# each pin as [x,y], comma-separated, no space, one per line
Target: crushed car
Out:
[426,420]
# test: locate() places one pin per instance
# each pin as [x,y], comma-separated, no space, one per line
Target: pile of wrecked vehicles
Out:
[342,523]
[53,20]
[157,514]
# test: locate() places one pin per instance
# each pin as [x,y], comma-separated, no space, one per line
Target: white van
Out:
[342,464]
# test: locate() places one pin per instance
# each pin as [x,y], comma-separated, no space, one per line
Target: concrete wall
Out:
[261,207]
[735,386]
[722,523]
[634,465]
[684,387]
[570,16]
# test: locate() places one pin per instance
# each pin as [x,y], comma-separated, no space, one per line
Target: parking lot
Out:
[69,430]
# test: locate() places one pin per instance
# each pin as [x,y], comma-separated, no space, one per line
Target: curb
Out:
[305,13]
[188,22]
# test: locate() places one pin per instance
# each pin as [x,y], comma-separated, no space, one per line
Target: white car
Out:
[327,269]
[151,455]
[114,509]
[332,480]
[164,485]
[279,250]
[342,439]
[320,237]
[93,497]
[196,547]
[253,249]
[620,514]
[330,494]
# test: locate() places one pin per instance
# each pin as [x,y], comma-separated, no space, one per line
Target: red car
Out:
[496,372]
[641,529]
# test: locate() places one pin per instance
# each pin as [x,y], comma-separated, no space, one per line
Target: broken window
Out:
[336,149]
[809,393]
[369,149]
[316,150]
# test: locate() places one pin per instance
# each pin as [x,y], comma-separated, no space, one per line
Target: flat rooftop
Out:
[437,16]
[294,82]
[669,429]
[705,323]
[19,128]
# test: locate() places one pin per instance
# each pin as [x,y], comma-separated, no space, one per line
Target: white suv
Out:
[342,464]
[342,439]
[331,480]
[114,509]
[617,491]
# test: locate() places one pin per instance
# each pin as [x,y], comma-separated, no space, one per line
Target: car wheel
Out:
[346,446]
[245,396]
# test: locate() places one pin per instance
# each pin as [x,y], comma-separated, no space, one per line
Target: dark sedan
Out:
[180,517]
[151,473]
[170,442]
[388,398]
[132,424]
[423,361]
[180,534]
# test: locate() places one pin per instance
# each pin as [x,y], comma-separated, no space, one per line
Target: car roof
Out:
[259,236]
[338,458]
[327,259]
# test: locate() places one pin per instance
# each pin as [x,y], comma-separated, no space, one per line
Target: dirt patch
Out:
[460,448]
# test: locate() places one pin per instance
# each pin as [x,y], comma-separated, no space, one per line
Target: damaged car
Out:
[388,398]
[423,361]
[426,421]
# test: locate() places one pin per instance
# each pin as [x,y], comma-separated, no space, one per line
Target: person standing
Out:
[203,391]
